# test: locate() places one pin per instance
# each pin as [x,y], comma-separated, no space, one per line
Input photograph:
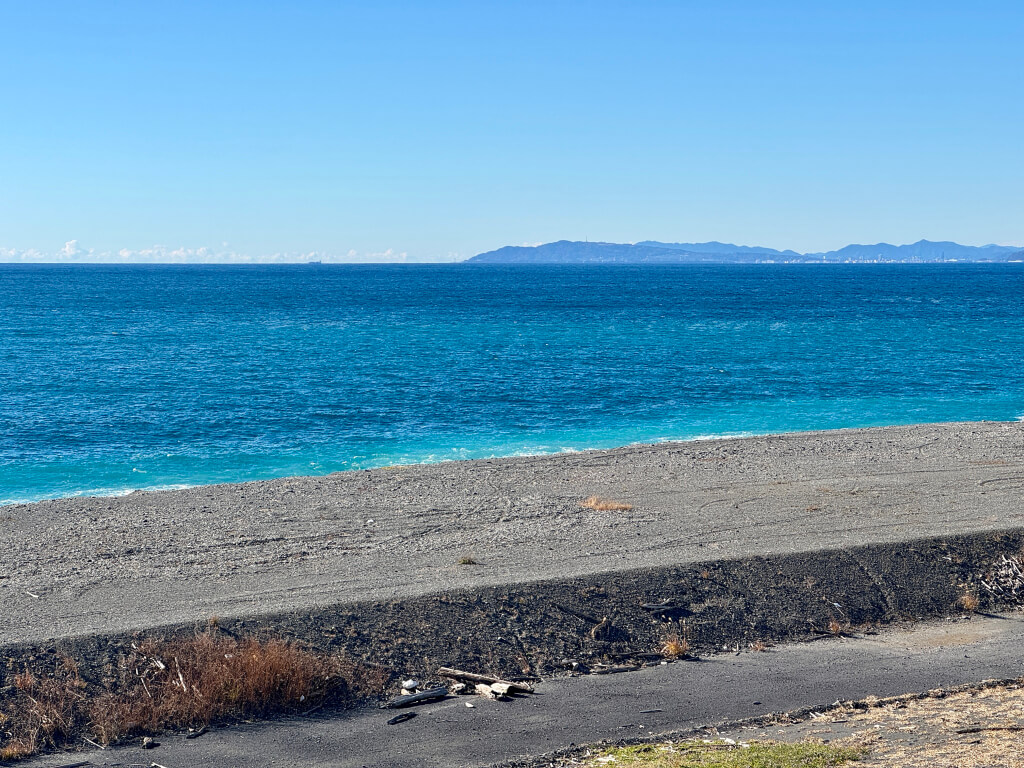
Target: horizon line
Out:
[72,253]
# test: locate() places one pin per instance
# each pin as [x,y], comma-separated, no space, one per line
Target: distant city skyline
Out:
[400,131]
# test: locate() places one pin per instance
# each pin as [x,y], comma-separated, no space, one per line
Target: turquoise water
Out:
[121,377]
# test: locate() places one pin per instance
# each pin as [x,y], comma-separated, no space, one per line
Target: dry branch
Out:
[415,698]
[473,677]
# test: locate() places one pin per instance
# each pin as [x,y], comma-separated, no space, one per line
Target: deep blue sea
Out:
[121,377]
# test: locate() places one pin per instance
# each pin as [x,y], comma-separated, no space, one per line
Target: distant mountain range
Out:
[652,252]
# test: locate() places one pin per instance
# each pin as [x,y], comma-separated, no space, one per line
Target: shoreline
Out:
[111,493]
[103,493]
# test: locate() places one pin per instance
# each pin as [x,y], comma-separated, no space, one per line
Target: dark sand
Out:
[73,567]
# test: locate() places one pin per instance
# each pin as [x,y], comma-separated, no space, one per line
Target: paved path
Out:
[683,695]
[78,566]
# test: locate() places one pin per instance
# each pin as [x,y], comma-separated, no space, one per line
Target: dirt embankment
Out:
[618,619]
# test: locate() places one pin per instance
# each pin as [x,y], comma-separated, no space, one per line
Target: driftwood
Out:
[473,677]
[658,606]
[632,655]
[616,669]
[577,614]
[401,718]
[200,732]
[415,698]
[601,630]
[487,691]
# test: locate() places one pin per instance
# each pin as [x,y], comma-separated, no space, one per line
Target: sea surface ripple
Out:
[115,378]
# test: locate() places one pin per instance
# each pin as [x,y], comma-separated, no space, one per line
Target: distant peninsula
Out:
[653,252]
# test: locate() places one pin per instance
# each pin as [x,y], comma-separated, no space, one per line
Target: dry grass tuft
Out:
[969,601]
[605,505]
[175,684]
[760,646]
[835,627]
[675,646]
[192,682]
[46,709]
[16,749]
[467,561]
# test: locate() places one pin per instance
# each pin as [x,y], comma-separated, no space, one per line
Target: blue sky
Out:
[436,130]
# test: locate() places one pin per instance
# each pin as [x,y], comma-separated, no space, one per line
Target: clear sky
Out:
[436,130]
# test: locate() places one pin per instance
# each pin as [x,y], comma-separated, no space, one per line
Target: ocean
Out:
[114,378]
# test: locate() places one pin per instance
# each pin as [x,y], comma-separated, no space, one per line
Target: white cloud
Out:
[74,252]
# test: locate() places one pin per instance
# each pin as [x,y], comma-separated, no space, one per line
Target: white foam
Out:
[106,493]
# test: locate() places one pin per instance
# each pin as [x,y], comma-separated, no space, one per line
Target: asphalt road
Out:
[679,696]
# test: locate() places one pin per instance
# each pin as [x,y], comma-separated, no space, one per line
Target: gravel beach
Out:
[74,567]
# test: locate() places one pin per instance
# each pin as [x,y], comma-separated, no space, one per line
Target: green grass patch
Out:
[720,754]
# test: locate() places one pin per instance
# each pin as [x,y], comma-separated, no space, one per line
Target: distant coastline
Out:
[653,252]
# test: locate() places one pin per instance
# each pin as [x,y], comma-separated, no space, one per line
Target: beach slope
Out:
[84,566]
